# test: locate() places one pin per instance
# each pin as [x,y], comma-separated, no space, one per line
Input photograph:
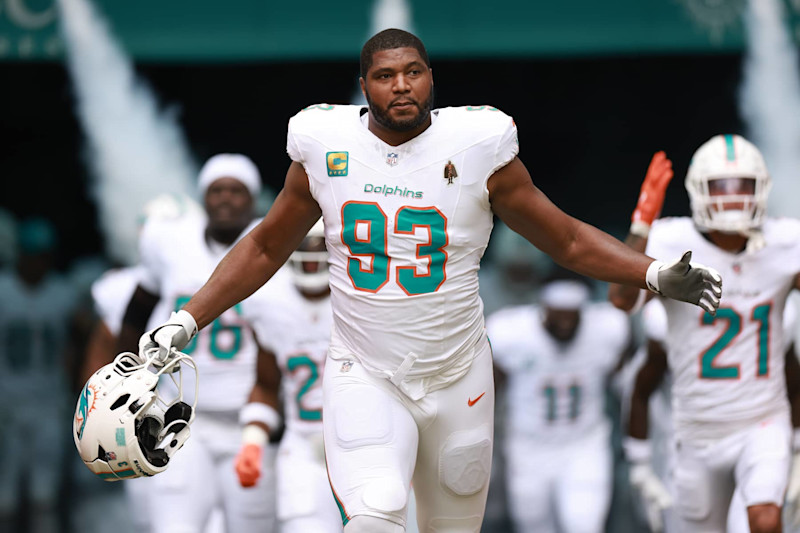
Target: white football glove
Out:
[655,496]
[173,335]
[687,282]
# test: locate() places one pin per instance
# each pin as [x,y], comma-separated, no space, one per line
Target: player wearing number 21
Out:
[407,195]
[177,256]
[730,408]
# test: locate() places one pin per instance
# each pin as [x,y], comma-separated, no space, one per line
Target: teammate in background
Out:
[177,256]
[555,359]
[295,331]
[36,311]
[407,197]
[730,410]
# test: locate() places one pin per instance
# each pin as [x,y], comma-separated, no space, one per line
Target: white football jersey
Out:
[112,293]
[406,227]
[556,390]
[297,331]
[728,369]
[177,261]
[34,331]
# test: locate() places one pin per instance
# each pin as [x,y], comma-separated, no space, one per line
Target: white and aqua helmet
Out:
[724,157]
[309,252]
[123,427]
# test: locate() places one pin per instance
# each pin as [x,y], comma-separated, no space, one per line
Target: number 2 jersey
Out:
[177,260]
[406,227]
[297,330]
[728,369]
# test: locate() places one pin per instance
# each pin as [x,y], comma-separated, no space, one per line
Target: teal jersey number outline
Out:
[575,393]
[760,314]
[408,220]
[293,363]
[216,328]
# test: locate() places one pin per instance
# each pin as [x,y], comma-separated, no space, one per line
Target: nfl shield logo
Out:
[391,159]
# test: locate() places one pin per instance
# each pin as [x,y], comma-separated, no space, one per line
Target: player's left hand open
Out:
[687,282]
[175,333]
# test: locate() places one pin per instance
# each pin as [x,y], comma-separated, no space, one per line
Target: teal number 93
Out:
[373,245]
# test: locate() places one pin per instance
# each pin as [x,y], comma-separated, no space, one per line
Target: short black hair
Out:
[388,40]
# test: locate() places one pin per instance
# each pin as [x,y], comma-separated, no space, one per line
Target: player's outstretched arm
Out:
[590,251]
[250,264]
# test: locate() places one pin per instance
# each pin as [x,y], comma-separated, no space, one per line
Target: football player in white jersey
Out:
[295,328]
[556,359]
[177,256]
[730,409]
[407,195]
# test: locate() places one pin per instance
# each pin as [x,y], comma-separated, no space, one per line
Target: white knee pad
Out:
[465,461]
[372,524]
[387,495]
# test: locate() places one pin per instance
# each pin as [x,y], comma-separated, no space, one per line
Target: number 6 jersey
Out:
[728,369]
[406,227]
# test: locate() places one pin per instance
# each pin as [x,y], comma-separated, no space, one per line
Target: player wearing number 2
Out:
[177,256]
[407,196]
[730,408]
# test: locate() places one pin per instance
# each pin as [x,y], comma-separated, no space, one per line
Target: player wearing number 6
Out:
[407,196]
[177,256]
[730,408]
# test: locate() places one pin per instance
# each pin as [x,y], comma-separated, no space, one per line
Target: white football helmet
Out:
[123,427]
[311,250]
[727,157]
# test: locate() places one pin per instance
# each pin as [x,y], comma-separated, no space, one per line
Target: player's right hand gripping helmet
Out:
[123,427]
[311,250]
[721,157]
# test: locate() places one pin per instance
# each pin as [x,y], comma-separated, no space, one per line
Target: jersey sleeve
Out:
[507,145]
[292,146]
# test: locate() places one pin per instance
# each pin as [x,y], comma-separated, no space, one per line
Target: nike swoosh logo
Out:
[472,402]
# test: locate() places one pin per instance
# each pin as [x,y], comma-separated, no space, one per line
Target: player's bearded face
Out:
[407,121]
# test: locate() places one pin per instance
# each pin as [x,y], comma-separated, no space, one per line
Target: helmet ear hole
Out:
[177,412]
[122,400]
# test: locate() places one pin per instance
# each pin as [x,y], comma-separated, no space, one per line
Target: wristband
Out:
[640,229]
[651,277]
[253,434]
[260,412]
[637,450]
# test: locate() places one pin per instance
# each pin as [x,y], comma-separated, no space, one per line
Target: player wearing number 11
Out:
[730,408]
[407,196]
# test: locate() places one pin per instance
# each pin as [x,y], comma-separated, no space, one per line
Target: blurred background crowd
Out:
[107,105]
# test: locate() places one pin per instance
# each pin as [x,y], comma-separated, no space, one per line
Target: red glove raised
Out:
[248,464]
[651,196]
